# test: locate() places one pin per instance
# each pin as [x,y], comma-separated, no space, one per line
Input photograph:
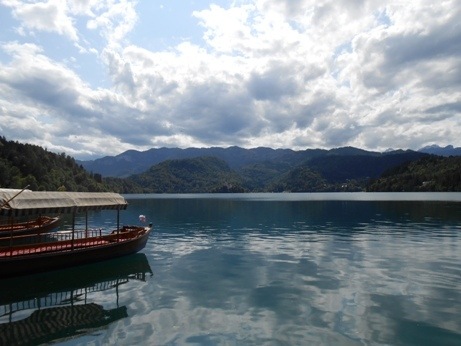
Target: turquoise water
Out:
[258,269]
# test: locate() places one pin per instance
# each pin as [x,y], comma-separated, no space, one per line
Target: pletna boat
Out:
[38,225]
[57,250]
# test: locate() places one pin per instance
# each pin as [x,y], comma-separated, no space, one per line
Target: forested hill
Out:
[431,173]
[196,175]
[133,162]
[345,170]
[237,170]
[24,165]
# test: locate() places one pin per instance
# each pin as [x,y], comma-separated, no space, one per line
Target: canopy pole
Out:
[118,224]
[73,228]
[86,223]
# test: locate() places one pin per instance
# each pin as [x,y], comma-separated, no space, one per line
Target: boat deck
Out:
[53,247]
[59,242]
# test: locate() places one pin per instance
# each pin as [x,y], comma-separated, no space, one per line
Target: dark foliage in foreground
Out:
[29,165]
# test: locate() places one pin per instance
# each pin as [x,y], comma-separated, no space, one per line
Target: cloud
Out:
[114,20]
[48,16]
[62,105]
[38,80]
[290,74]
[272,84]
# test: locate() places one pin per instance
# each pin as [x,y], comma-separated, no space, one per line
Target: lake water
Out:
[258,269]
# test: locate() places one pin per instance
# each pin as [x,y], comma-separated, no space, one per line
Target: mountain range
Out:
[449,150]
[234,169]
[134,162]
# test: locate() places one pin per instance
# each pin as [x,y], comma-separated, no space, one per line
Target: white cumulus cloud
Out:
[293,74]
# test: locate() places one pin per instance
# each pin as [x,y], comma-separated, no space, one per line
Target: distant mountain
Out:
[134,162]
[430,173]
[301,179]
[234,169]
[351,151]
[342,169]
[195,175]
[340,172]
[449,150]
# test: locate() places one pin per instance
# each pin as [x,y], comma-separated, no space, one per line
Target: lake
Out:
[258,269]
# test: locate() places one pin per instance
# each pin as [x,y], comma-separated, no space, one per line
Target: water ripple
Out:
[326,269]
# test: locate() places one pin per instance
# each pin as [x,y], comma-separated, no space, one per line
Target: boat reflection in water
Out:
[51,306]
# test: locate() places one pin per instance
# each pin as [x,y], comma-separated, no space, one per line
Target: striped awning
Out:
[15,202]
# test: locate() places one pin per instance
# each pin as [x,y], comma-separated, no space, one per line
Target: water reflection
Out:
[52,306]
[300,272]
[269,215]
[247,271]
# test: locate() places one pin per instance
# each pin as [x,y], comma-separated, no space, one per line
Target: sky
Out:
[92,78]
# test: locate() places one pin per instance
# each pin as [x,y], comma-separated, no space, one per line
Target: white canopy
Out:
[15,202]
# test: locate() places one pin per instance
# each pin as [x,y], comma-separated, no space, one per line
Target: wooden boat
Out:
[57,250]
[39,225]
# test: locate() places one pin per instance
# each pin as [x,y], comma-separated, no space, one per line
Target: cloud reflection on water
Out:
[336,272]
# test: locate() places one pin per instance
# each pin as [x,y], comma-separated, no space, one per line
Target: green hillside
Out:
[300,179]
[341,169]
[24,165]
[197,175]
[432,173]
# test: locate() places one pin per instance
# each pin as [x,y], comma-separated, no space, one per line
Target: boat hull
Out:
[34,263]
[40,225]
